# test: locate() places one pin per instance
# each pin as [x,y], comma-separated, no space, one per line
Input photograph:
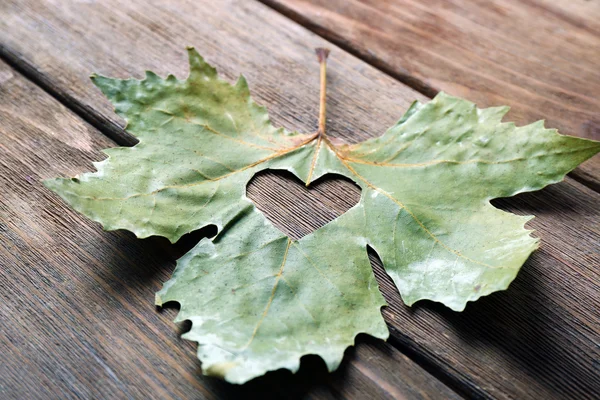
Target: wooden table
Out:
[77,318]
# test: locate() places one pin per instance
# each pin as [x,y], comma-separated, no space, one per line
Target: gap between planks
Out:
[409,80]
[88,114]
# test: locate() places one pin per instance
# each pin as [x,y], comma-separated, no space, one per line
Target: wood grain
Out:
[77,315]
[539,57]
[514,344]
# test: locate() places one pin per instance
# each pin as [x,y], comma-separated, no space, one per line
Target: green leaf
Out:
[259,301]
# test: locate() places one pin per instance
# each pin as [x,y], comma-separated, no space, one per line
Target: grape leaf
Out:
[258,300]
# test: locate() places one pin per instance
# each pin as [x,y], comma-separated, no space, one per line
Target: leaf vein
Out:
[268,306]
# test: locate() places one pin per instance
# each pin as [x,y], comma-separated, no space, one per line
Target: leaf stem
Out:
[322,56]
[320,135]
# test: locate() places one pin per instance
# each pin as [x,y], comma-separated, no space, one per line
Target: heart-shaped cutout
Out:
[297,210]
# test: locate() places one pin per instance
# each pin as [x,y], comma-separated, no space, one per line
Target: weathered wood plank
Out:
[77,315]
[513,344]
[539,57]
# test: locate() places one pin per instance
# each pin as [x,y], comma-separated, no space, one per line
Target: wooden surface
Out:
[71,289]
[540,57]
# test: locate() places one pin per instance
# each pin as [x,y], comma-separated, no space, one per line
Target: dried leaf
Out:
[258,300]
